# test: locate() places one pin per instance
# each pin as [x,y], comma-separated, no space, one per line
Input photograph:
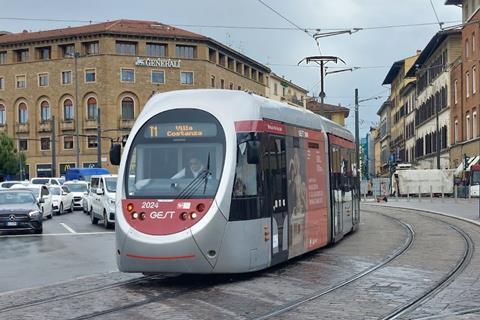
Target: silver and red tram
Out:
[219,181]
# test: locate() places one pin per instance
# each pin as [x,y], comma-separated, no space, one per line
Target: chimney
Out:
[419,51]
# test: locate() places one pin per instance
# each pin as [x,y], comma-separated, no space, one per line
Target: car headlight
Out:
[34,214]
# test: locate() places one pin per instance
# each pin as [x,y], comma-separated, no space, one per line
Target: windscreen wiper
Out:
[193,185]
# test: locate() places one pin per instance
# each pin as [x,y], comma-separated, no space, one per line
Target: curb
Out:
[427,211]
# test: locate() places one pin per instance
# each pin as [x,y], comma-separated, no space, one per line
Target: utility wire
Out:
[306,30]
[283,17]
[440,24]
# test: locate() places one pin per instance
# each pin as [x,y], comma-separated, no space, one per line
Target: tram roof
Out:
[249,106]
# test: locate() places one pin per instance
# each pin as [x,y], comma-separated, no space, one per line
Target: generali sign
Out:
[158,62]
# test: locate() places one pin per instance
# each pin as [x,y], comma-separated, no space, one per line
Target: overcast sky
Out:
[373,50]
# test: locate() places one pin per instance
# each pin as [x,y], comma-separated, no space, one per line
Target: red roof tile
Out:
[132,27]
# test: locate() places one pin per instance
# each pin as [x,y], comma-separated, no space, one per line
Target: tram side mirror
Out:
[115,150]
[253,153]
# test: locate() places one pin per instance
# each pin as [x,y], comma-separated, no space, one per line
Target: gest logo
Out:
[162,214]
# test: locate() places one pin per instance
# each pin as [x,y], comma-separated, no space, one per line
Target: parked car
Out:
[79,190]
[19,209]
[62,199]
[43,197]
[8,184]
[102,199]
[52,181]
[84,174]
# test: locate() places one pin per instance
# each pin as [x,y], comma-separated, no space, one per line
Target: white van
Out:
[51,181]
[102,199]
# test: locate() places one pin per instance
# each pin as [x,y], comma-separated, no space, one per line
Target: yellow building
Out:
[114,67]
[398,80]
[286,91]
[335,113]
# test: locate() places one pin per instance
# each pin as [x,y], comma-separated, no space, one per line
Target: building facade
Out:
[286,91]
[409,94]
[109,69]
[337,114]
[382,143]
[465,98]
[397,79]
[432,118]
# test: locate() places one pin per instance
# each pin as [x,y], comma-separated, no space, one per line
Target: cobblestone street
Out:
[434,251]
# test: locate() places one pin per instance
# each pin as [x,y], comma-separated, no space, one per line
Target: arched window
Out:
[92,109]
[22,113]
[127,109]
[44,111]
[3,115]
[68,110]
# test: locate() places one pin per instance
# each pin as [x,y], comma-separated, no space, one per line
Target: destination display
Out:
[181,130]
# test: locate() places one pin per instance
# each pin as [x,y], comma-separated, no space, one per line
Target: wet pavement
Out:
[69,247]
[91,293]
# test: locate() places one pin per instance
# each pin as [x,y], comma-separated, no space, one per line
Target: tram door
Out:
[277,189]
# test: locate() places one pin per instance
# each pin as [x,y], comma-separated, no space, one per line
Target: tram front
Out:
[169,221]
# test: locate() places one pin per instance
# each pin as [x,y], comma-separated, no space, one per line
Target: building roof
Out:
[119,27]
[454,2]
[133,27]
[317,107]
[432,45]
[393,72]
[288,82]
[384,105]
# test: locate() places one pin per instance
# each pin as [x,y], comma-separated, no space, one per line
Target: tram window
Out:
[245,174]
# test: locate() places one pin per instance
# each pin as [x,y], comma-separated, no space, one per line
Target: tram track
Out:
[408,241]
[397,253]
[444,282]
[410,305]
[194,287]
[79,293]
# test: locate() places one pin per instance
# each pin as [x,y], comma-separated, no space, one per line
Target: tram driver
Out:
[194,168]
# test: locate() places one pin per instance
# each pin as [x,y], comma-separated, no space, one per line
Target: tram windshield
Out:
[170,159]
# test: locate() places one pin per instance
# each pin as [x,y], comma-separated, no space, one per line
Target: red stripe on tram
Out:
[160,258]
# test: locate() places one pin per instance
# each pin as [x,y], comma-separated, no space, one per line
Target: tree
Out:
[9,157]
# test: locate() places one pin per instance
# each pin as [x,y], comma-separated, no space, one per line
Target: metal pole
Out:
[99,140]
[54,156]
[357,140]
[77,120]
[322,92]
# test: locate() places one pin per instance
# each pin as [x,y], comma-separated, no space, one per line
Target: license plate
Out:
[11,224]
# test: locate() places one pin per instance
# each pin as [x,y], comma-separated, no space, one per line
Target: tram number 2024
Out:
[150,205]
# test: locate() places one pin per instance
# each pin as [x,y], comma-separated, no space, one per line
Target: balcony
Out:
[90,124]
[3,127]
[67,125]
[126,123]
[45,126]
[22,127]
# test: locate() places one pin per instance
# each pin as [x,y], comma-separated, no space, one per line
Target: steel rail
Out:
[76,293]
[459,267]
[317,294]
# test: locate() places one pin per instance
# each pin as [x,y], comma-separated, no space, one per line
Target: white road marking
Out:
[56,234]
[68,228]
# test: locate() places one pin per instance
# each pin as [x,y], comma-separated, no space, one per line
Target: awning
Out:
[470,162]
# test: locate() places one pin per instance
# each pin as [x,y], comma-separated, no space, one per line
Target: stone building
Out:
[432,118]
[286,91]
[335,113]
[115,67]
[465,95]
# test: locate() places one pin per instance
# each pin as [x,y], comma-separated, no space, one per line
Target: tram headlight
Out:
[135,215]
[142,216]
[130,207]
[193,215]
[184,216]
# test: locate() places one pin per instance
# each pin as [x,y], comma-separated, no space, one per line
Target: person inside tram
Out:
[195,167]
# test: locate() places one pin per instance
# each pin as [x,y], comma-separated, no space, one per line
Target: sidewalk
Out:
[465,208]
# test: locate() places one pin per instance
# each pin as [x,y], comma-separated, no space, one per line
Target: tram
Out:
[220,181]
